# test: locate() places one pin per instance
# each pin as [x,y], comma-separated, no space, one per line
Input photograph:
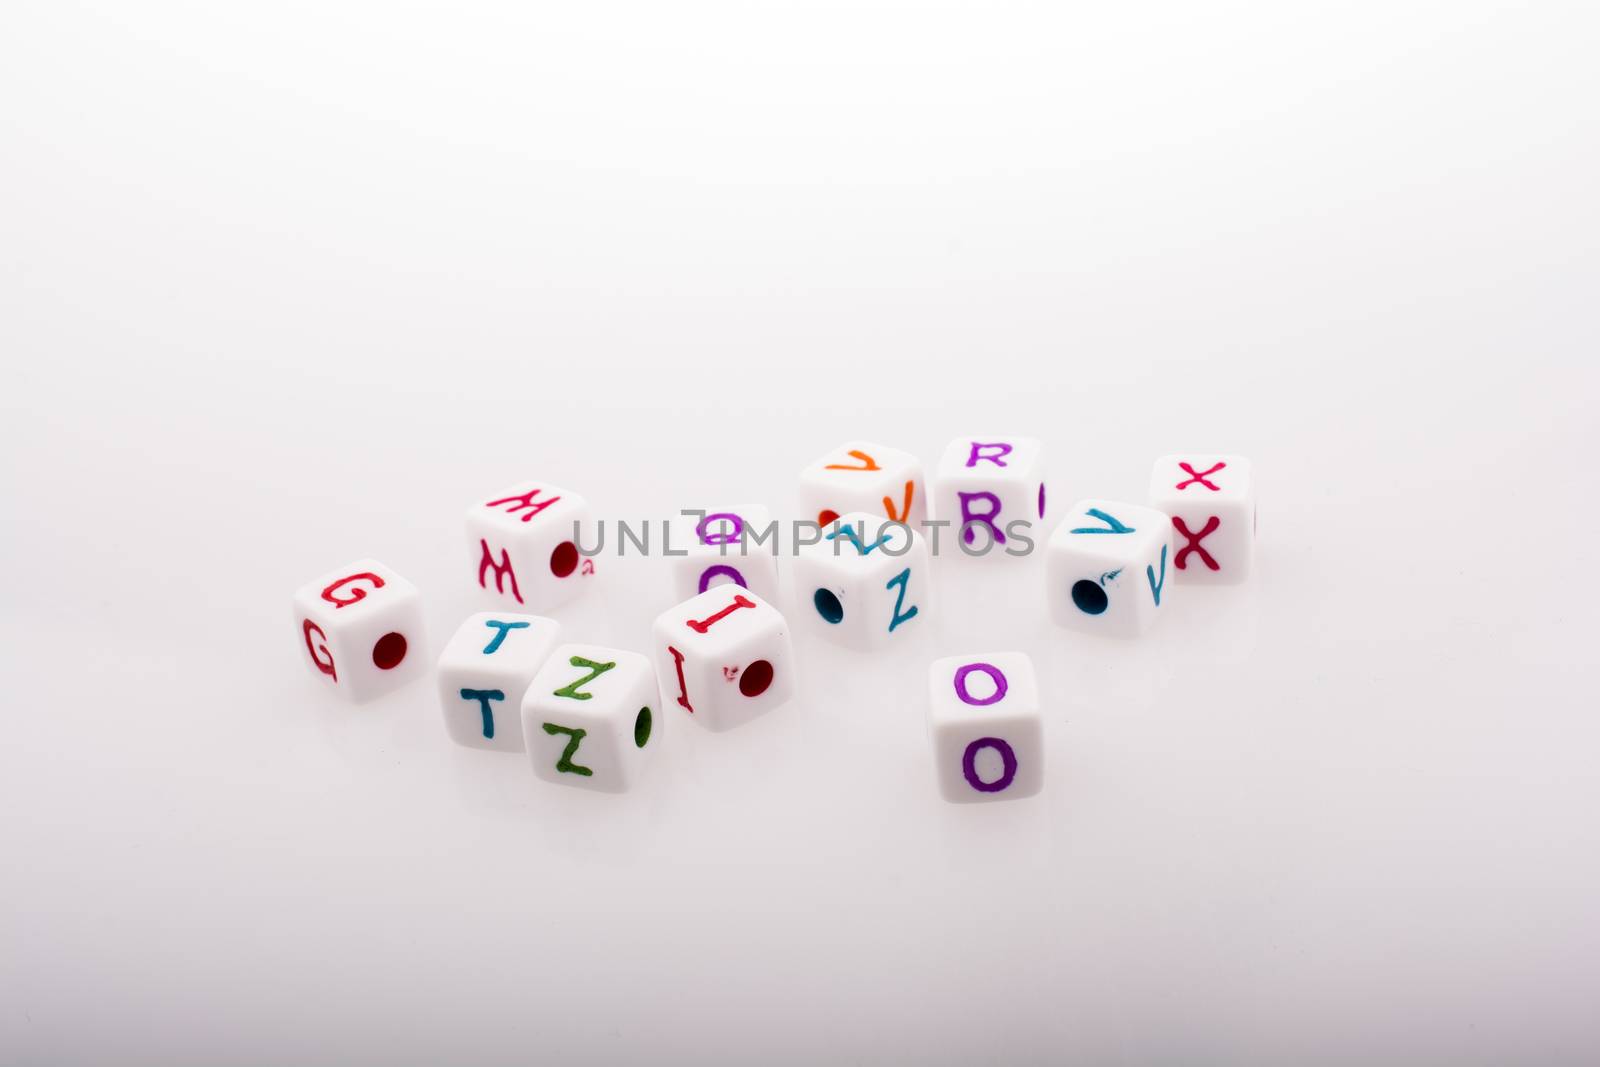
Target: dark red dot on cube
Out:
[389,651]
[825,516]
[756,678]
[564,560]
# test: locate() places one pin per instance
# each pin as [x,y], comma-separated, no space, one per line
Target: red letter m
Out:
[523,503]
[502,571]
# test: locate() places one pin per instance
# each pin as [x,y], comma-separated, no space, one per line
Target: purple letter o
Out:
[730,537]
[961,681]
[1008,764]
[721,568]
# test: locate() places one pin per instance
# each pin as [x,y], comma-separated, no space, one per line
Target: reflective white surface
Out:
[288,287]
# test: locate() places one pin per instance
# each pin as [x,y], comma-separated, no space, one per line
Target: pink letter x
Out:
[1194,540]
[1201,477]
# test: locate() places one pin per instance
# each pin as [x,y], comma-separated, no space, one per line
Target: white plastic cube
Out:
[724,657]
[524,549]
[721,550]
[865,582]
[1106,567]
[988,734]
[484,670]
[867,477]
[361,629]
[590,719]
[986,483]
[1212,501]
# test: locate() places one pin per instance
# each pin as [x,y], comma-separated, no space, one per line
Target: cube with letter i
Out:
[867,477]
[724,657]
[361,627]
[590,718]
[984,717]
[726,546]
[485,669]
[865,582]
[1212,501]
[1107,567]
[524,545]
[984,485]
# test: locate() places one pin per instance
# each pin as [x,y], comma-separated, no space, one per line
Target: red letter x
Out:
[1201,477]
[1194,540]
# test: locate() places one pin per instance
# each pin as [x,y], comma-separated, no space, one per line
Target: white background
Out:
[288,284]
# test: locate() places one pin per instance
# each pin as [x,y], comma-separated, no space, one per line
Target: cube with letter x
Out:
[1211,499]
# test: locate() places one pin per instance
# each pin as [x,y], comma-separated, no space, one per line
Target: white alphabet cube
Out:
[590,717]
[721,549]
[867,477]
[484,670]
[724,657]
[1106,567]
[1212,501]
[988,735]
[523,546]
[986,483]
[865,582]
[361,627]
